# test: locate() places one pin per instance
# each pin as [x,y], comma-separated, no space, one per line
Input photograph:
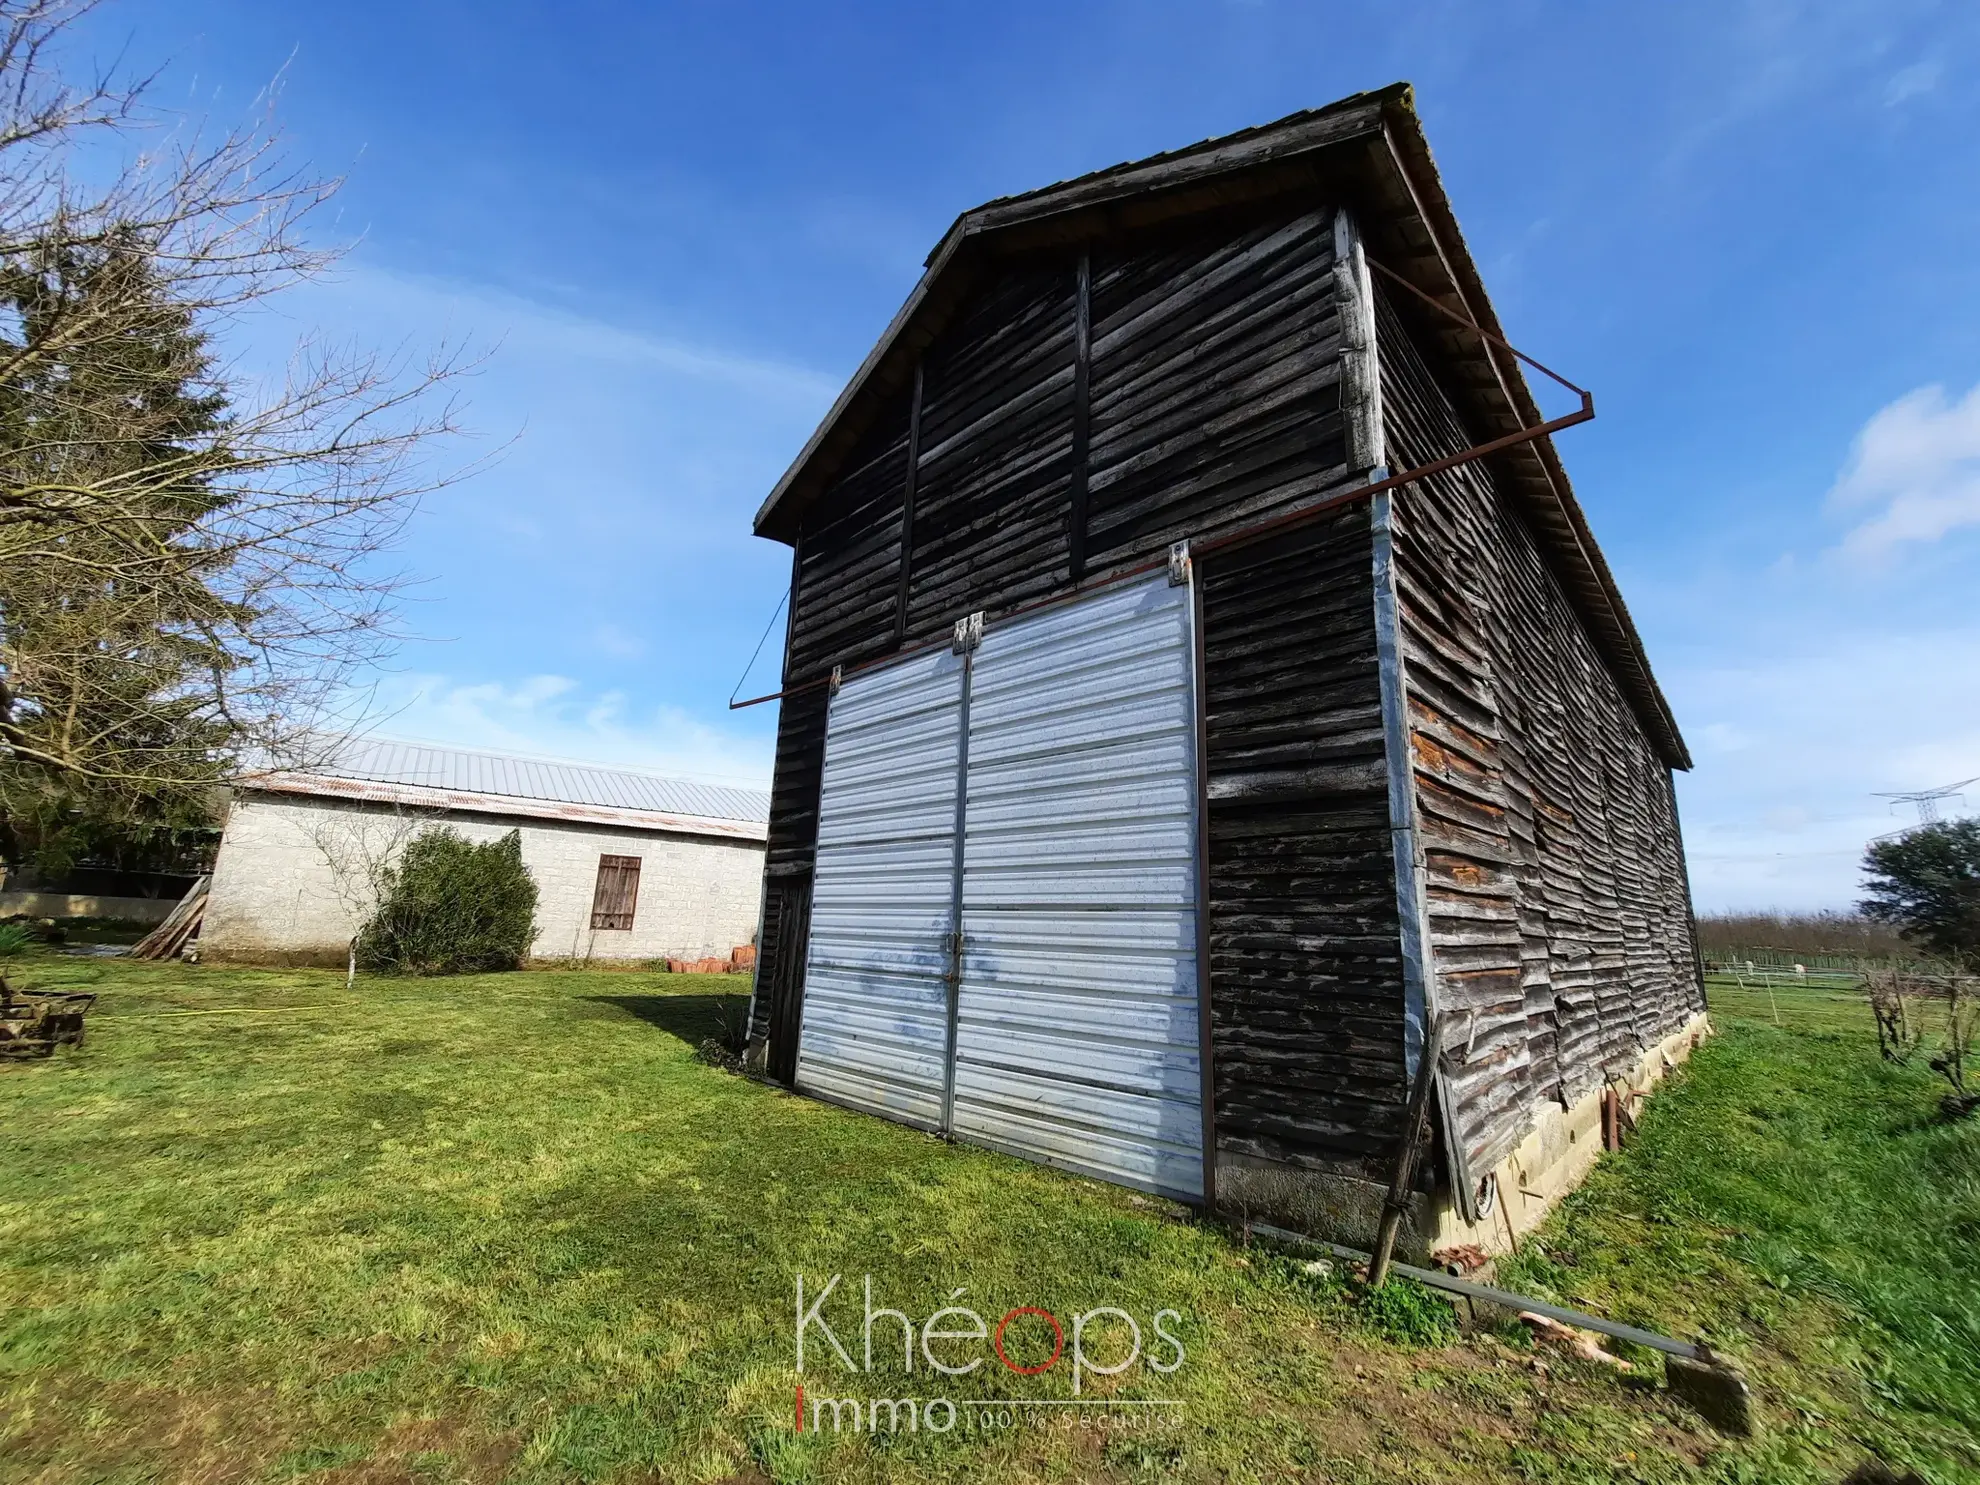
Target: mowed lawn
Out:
[511,1227]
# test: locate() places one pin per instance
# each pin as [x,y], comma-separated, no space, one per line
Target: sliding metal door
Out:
[877,976]
[1078,1031]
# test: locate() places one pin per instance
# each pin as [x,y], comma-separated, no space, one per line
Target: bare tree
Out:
[360,847]
[190,553]
[1896,997]
[1890,993]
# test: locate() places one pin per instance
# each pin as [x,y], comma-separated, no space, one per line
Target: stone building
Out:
[627,865]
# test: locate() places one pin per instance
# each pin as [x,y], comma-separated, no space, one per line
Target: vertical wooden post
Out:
[1415,1126]
[1361,380]
[1081,410]
[907,510]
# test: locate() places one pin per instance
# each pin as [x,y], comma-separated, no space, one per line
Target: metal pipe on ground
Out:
[1694,1372]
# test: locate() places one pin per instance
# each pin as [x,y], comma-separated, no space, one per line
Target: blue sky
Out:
[1750,226]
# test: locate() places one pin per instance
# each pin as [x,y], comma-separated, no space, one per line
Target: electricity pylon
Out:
[1927,800]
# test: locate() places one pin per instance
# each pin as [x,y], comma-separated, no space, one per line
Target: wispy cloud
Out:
[1911,82]
[547,327]
[1916,468]
[617,642]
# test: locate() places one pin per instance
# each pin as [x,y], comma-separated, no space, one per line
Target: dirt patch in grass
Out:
[72,1432]
[122,1430]
[414,1451]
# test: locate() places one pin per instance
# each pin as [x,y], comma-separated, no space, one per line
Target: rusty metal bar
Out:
[1480,330]
[1275,524]
[758,651]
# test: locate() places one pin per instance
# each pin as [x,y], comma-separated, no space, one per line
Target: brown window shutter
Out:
[612,901]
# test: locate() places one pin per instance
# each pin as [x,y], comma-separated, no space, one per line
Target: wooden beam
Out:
[1361,382]
[907,509]
[1081,415]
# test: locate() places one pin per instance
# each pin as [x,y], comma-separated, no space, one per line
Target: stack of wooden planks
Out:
[169,939]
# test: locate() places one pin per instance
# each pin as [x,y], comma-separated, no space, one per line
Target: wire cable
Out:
[753,654]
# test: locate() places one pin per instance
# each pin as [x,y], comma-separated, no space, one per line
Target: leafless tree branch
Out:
[180,590]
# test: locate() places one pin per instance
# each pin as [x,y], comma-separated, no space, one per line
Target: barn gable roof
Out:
[1367,152]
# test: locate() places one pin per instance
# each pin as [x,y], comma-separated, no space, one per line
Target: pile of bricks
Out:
[741,960]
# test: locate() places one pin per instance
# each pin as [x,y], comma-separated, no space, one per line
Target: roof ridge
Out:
[510,756]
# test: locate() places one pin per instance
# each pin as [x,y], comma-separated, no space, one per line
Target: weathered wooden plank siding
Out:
[845,577]
[1559,928]
[988,529]
[1213,395]
[841,613]
[1215,383]
[993,488]
[1307,1029]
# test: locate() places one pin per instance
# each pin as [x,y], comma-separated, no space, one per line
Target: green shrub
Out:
[14,939]
[449,906]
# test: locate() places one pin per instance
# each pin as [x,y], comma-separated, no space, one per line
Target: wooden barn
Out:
[1200,681]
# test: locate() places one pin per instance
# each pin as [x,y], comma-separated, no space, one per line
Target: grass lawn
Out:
[510,1227]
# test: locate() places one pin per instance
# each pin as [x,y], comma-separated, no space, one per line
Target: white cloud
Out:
[617,642]
[536,329]
[554,716]
[1723,737]
[1916,467]
[1912,82]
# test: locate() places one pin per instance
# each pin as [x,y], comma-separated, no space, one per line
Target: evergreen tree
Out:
[188,555]
[98,667]
[1926,883]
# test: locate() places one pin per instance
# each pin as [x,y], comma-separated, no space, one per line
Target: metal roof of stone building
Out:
[384,770]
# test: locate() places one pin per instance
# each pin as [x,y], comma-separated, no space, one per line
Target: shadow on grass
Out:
[692,1018]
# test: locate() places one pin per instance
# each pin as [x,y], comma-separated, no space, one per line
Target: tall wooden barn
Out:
[1199,677]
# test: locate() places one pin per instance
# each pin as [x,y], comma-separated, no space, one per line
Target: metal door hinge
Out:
[1178,564]
[953,942]
[838,674]
[969,633]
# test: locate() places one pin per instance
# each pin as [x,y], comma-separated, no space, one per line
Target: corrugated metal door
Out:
[1078,1030]
[876,988]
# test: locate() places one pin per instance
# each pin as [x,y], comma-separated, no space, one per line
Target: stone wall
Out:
[82,905]
[277,896]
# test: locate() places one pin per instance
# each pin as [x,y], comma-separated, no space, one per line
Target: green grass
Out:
[510,1227]
[1800,1202]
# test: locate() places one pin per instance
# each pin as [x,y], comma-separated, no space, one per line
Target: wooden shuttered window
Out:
[612,901]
